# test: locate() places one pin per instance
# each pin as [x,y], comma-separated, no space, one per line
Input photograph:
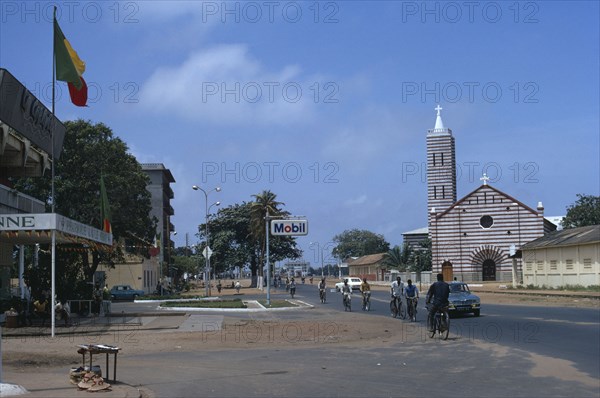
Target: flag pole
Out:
[53,262]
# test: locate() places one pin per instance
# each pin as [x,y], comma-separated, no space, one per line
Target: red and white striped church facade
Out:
[473,237]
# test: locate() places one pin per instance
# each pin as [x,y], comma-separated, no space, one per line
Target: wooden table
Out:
[100,349]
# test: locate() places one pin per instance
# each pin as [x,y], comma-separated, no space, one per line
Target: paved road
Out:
[508,351]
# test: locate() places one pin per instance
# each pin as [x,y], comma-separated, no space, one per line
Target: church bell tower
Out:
[441,167]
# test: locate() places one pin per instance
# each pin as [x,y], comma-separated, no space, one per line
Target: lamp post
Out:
[207,249]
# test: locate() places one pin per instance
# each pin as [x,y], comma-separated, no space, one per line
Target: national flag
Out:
[69,67]
[104,208]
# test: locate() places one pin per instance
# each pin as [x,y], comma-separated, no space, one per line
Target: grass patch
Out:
[159,297]
[236,303]
[277,304]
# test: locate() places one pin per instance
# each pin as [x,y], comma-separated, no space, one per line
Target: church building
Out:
[474,237]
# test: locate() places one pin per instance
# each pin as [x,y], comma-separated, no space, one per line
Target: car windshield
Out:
[458,288]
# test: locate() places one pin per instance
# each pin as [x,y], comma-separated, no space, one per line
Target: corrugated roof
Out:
[566,237]
[368,259]
[418,231]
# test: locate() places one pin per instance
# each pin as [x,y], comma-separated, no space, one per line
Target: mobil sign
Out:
[289,227]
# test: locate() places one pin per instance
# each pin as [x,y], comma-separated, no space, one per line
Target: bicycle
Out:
[441,324]
[366,304]
[411,304]
[396,308]
[322,295]
[347,302]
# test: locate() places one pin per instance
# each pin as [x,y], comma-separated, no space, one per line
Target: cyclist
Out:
[411,292]
[365,289]
[346,291]
[322,287]
[437,295]
[397,289]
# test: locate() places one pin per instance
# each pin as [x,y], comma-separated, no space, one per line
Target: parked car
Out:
[125,292]
[353,282]
[462,300]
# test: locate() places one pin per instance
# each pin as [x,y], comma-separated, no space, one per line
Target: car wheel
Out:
[476,312]
[135,296]
[112,297]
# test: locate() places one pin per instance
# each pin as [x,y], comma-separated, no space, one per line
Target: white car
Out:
[353,282]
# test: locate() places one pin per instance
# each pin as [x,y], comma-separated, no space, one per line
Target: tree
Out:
[263,204]
[399,258]
[421,259]
[233,242]
[90,150]
[357,243]
[585,211]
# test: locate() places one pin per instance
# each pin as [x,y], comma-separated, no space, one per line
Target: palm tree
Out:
[393,258]
[263,203]
[399,258]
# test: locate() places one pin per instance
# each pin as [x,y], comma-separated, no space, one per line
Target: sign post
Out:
[292,227]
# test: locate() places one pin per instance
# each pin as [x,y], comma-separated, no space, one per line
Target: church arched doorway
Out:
[489,270]
[447,270]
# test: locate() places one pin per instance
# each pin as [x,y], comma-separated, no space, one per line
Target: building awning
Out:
[29,229]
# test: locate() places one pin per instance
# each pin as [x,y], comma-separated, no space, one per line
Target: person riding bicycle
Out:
[397,288]
[365,289]
[411,292]
[322,287]
[346,289]
[437,296]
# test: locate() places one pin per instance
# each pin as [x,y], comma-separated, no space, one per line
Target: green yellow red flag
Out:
[69,67]
[104,208]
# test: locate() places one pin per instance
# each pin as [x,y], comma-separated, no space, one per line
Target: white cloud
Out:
[359,200]
[225,85]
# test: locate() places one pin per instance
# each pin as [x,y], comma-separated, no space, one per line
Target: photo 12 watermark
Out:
[472,172]
[326,12]
[471,92]
[271,92]
[270,172]
[126,12]
[115,92]
[271,332]
[453,12]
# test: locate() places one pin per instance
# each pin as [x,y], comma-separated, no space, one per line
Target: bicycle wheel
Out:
[393,309]
[431,329]
[411,310]
[401,310]
[445,323]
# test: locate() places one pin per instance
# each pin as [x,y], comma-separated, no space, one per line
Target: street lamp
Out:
[321,252]
[206,249]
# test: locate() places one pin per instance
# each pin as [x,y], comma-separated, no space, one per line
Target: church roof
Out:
[482,187]
[566,237]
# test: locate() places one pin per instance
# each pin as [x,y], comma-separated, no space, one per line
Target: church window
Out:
[485,197]
[443,192]
[442,156]
[434,159]
[486,221]
[435,192]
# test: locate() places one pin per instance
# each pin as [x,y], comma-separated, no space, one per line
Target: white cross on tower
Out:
[485,179]
[438,109]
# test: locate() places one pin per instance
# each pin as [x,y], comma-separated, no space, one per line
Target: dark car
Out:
[125,292]
[462,301]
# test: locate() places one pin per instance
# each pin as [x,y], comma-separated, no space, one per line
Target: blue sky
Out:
[327,104]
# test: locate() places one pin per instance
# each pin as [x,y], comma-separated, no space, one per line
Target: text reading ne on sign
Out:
[289,227]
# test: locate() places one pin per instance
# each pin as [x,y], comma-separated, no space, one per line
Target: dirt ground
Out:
[310,327]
